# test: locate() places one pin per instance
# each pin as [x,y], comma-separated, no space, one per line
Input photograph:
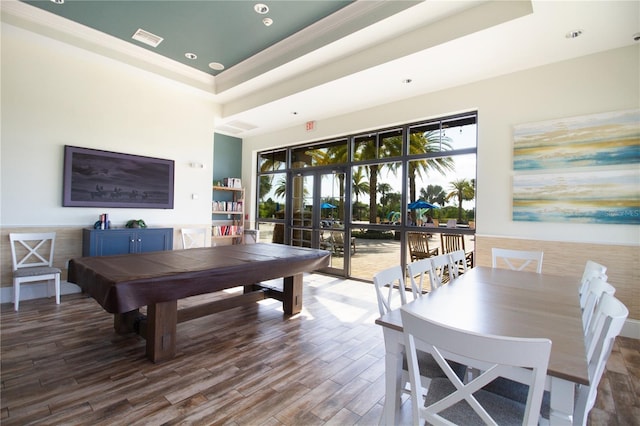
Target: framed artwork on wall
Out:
[96,178]
[578,169]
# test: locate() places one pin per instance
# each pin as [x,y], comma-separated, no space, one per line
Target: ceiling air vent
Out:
[147,38]
[235,127]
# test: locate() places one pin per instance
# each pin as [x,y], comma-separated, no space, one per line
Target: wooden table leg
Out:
[292,294]
[162,319]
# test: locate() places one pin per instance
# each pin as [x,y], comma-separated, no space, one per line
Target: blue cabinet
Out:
[105,242]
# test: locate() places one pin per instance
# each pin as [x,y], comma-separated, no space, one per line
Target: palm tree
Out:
[462,190]
[360,185]
[425,143]
[433,194]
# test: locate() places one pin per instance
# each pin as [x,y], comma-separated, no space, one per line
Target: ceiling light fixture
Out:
[267,22]
[574,34]
[261,9]
[216,66]
[191,56]
[57,1]
[407,81]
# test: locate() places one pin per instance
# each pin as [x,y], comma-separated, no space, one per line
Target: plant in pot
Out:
[136,223]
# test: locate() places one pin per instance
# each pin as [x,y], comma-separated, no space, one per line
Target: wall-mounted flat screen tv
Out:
[95,178]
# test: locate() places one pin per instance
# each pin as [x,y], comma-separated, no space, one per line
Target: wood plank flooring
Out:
[248,366]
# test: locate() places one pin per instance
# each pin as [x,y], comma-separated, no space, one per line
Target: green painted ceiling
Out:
[223,31]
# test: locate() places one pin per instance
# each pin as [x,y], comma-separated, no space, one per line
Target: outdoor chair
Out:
[193,237]
[336,242]
[32,257]
[419,246]
[517,260]
[523,360]
[455,242]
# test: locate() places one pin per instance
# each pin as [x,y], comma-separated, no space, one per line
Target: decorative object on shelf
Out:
[96,178]
[103,222]
[136,223]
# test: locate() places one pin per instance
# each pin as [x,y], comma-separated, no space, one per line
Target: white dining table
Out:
[507,303]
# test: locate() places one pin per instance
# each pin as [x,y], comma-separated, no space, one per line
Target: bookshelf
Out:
[228,206]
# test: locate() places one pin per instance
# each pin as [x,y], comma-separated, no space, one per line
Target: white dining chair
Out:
[458,263]
[590,298]
[419,273]
[524,360]
[605,326]
[390,292]
[518,260]
[440,270]
[193,237]
[592,270]
[32,258]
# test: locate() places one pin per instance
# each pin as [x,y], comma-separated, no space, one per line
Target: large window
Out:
[419,177]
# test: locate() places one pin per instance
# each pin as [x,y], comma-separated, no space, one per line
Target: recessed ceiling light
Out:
[260,8]
[407,81]
[573,34]
[267,22]
[295,113]
[191,56]
[57,1]
[216,66]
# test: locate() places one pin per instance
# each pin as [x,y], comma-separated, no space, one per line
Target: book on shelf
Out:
[226,206]
[227,230]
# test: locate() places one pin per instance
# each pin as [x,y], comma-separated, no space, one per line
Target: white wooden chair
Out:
[592,270]
[385,283]
[590,298]
[194,237]
[32,257]
[419,274]
[522,258]
[523,360]
[440,270]
[605,326]
[458,263]
[390,292]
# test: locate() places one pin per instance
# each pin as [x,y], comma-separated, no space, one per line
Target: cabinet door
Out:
[153,240]
[108,243]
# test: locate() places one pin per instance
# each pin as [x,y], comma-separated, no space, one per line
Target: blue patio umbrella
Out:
[421,204]
[327,206]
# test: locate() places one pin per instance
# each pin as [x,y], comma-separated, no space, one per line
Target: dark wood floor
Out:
[248,366]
